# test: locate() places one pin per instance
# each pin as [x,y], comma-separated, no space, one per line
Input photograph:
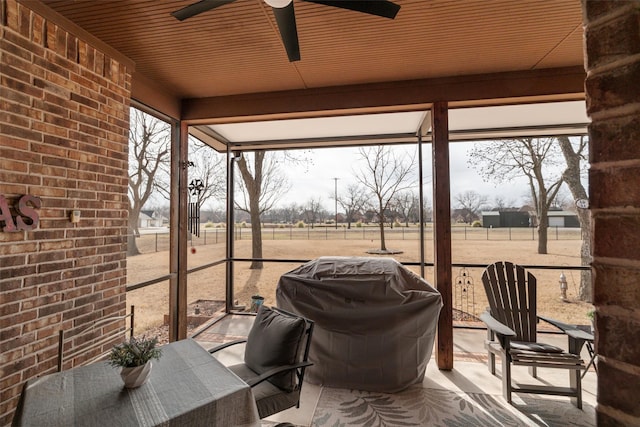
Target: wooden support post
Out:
[442,232]
[178,236]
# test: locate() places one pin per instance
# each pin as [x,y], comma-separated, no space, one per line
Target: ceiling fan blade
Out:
[384,8]
[286,20]
[197,8]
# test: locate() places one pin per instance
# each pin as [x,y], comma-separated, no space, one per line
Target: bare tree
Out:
[501,204]
[149,152]
[209,168]
[406,203]
[353,202]
[384,175]
[312,211]
[263,184]
[534,158]
[471,204]
[289,213]
[574,155]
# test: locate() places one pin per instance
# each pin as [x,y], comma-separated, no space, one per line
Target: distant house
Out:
[563,219]
[148,219]
[495,219]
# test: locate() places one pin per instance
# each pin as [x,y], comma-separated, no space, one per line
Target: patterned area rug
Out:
[419,406]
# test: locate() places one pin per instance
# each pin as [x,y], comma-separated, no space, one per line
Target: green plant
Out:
[135,352]
[476,224]
[591,314]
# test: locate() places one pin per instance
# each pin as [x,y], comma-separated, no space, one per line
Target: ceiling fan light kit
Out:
[278,3]
[286,19]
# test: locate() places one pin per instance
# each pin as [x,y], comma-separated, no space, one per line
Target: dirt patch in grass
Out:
[152,302]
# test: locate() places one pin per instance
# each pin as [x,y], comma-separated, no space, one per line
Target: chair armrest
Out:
[579,334]
[571,330]
[564,327]
[271,372]
[577,337]
[497,327]
[225,345]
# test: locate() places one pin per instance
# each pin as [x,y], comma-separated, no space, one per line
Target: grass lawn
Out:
[152,301]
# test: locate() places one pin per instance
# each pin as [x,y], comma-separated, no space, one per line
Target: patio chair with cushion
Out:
[512,334]
[275,357]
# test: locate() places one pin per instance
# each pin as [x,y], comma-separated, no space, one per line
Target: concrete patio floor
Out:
[469,375]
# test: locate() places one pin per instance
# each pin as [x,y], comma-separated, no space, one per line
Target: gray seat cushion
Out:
[538,347]
[269,398]
[275,340]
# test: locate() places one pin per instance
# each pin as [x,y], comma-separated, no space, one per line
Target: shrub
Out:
[476,223]
[300,224]
[359,224]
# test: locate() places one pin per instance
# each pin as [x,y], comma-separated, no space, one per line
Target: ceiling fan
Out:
[286,19]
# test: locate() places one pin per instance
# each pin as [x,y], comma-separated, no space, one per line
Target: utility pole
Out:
[335,195]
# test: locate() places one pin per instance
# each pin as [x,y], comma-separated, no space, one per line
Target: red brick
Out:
[616,285]
[55,308]
[24,21]
[41,301]
[618,389]
[613,89]
[10,332]
[37,35]
[42,143]
[18,46]
[9,380]
[618,39]
[599,8]
[21,271]
[614,187]
[611,232]
[16,97]
[15,119]
[20,109]
[16,73]
[618,139]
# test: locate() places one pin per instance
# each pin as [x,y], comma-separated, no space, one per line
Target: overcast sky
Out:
[313,180]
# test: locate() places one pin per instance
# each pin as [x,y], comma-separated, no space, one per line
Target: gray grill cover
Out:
[375,321]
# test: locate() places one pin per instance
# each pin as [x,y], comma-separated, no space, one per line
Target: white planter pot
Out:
[136,376]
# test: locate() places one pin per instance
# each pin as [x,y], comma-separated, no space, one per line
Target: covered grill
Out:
[375,321]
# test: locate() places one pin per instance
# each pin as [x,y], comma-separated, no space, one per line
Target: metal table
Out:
[187,387]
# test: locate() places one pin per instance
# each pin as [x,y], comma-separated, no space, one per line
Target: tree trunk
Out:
[383,245]
[256,237]
[543,226]
[132,246]
[586,288]
[571,176]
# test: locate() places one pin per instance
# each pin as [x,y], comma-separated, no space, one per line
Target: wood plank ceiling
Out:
[236,49]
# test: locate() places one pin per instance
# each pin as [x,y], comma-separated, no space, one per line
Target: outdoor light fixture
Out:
[74,216]
[278,3]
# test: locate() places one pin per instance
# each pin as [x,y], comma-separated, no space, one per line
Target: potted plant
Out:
[134,357]
[256,302]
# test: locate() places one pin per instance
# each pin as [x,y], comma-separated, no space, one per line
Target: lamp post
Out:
[335,197]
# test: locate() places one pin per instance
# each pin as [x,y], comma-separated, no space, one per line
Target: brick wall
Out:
[64,122]
[612,41]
